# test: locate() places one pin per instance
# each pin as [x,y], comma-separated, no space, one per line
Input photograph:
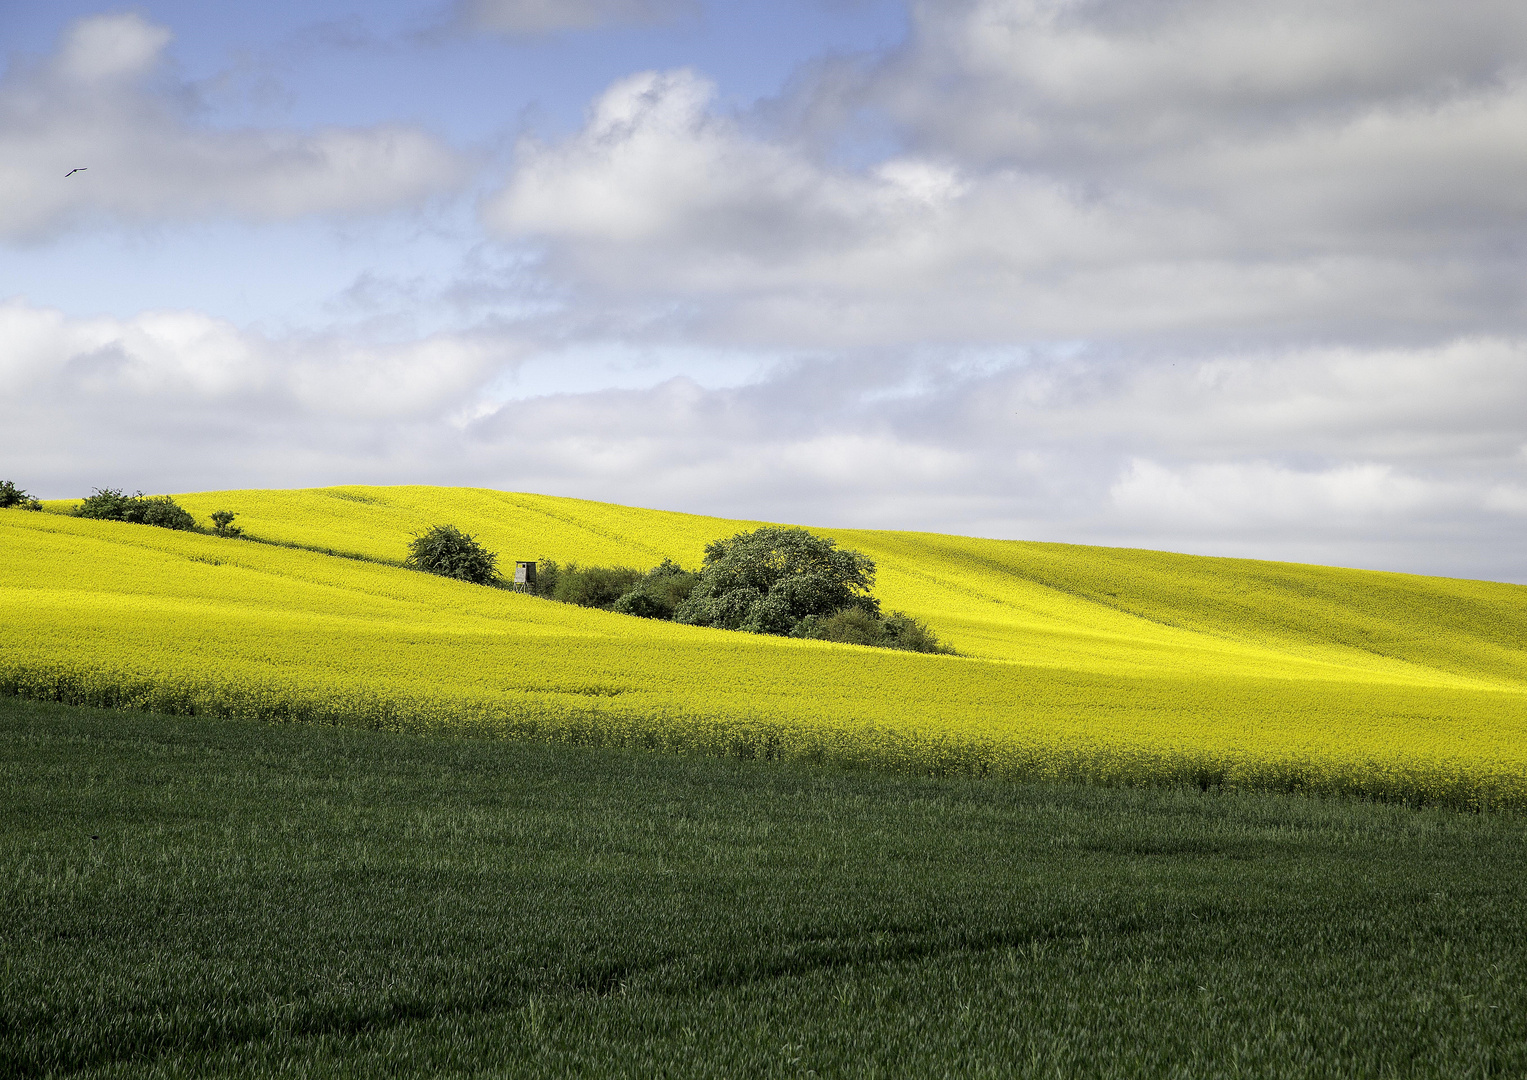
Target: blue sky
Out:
[1209,275]
[315,64]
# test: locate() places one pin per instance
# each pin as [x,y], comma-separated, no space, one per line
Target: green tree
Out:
[222,524]
[11,495]
[768,580]
[449,552]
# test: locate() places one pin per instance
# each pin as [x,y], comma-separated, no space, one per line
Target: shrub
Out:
[594,586]
[222,524]
[449,552]
[853,626]
[659,593]
[859,626]
[903,631]
[110,504]
[163,511]
[11,495]
[107,504]
[547,575]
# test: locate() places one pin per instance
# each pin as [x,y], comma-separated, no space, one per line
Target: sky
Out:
[1230,277]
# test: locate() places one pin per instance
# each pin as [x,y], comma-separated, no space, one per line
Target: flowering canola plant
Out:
[1099,664]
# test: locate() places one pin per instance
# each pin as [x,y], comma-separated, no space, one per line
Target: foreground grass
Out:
[187,897]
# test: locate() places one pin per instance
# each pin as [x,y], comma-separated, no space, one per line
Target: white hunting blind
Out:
[524,573]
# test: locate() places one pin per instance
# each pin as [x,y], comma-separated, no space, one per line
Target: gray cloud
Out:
[1402,458]
[1075,170]
[535,17]
[102,102]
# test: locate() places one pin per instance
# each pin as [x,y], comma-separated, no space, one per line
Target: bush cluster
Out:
[113,504]
[110,504]
[774,580]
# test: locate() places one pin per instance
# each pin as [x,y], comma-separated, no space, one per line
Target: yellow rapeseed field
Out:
[1085,663]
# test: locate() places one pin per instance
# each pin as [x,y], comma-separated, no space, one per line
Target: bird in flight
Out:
[71,172]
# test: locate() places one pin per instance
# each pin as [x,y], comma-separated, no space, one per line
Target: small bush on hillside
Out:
[11,495]
[222,524]
[449,552]
[110,504]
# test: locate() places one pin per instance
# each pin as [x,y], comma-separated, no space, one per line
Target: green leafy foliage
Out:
[768,580]
[11,495]
[449,552]
[593,586]
[222,524]
[771,581]
[110,504]
[548,573]
[858,626]
[659,593]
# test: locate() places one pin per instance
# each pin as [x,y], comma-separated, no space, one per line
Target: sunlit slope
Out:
[1102,610]
[107,613]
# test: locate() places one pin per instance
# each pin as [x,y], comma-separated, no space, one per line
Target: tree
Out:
[768,580]
[222,524]
[11,495]
[449,552]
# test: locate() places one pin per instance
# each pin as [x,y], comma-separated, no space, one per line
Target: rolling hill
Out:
[1076,662]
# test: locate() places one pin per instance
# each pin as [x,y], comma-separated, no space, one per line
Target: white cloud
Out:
[172,361]
[1399,458]
[1103,78]
[1252,497]
[1073,170]
[532,17]
[101,103]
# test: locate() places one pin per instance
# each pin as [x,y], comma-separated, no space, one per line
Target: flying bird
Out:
[71,172]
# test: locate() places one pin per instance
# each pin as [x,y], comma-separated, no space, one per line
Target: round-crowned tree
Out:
[768,580]
[449,552]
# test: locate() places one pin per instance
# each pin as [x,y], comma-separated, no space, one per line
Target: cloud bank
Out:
[1406,457]
[530,18]
[105,102]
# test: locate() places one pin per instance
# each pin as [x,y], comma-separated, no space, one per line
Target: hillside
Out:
[1114,664]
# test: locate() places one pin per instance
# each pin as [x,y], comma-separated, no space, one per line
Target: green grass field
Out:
[187,897]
